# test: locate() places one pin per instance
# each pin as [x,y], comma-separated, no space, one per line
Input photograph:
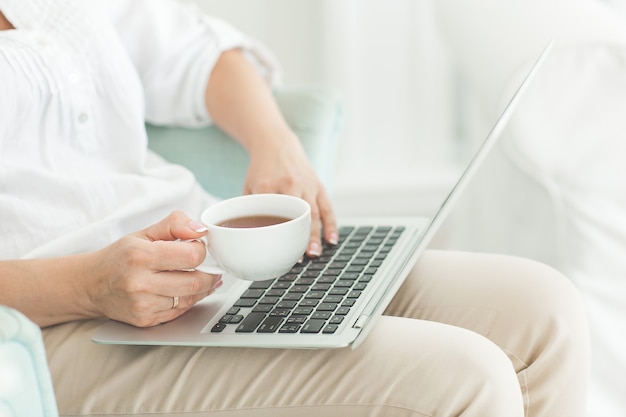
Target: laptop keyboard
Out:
[316,295]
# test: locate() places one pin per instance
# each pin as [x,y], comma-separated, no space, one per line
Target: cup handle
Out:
[209,265]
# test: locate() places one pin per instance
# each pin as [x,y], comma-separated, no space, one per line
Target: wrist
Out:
[85,284]
[273,142]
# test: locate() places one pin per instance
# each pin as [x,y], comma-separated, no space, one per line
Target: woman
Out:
[92,222]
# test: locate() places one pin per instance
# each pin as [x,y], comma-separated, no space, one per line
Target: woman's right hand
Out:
[138,277]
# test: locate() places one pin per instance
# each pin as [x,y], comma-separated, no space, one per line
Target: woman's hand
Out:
[280,165]
[241,104]
[147,278]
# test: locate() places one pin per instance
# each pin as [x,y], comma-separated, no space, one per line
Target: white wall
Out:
[386,59]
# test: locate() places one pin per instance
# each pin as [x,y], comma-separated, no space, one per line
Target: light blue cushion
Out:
[25,382]
[220,163]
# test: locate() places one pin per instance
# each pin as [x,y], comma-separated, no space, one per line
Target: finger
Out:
[186,302]
[329,222]
[314,248]
[183,283]
[169,314]
[175,226]
[156,309]
[172,255]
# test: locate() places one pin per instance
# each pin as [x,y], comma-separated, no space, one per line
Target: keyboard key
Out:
[269,300]
[245,302]
[237,318]
[364,230]
[316,266]
[261,285]
[327,307]
[292,296]
[309,302]
[288,277]
[218,327]
[306,281]
[311,273]
[280,312]
[349,275]
[281,285]
[289,328]
[256,294]
[333,299]
[270,324]
[313,326]
[338,291]
[337,265]
[342,311]
[321,315]
[296,320]
[315,295]
[302,311]
[250,323]
[331,272]
[264,308]
[330,329]
[320,287]
[233,310]
[286,304]
[299,288]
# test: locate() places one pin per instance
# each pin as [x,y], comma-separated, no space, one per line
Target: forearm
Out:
[48,291]
[241,103]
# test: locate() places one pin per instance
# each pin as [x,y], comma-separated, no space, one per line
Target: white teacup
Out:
[242,244]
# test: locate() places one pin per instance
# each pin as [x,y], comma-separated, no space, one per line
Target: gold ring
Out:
[175,301]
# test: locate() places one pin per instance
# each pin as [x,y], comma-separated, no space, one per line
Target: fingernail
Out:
[218,283]
[197,227]
[333,239]
[314,249]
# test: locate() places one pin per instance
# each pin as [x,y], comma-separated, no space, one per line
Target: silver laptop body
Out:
[328,303]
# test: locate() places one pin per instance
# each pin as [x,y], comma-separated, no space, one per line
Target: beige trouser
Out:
[468,335]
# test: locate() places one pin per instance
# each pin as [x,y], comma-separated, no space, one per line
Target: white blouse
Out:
[78,79]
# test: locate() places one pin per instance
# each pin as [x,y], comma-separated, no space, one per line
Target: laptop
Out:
[328,302]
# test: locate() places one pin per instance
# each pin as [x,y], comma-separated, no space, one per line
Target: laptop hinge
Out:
[360,322]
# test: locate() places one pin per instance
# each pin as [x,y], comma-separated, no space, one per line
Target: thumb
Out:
[175,226]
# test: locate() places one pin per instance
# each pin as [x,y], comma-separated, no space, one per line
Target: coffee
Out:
[253,221]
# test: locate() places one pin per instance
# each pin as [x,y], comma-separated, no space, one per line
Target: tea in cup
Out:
[256,237]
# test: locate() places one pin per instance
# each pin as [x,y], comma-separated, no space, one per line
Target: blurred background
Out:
[396,84]
[422,82]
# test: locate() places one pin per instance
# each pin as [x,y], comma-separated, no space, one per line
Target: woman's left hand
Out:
[281,166]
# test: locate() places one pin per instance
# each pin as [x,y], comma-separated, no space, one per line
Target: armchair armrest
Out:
[25,383]
[220,163]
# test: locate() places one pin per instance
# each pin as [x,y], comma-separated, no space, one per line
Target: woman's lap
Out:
[406,366]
